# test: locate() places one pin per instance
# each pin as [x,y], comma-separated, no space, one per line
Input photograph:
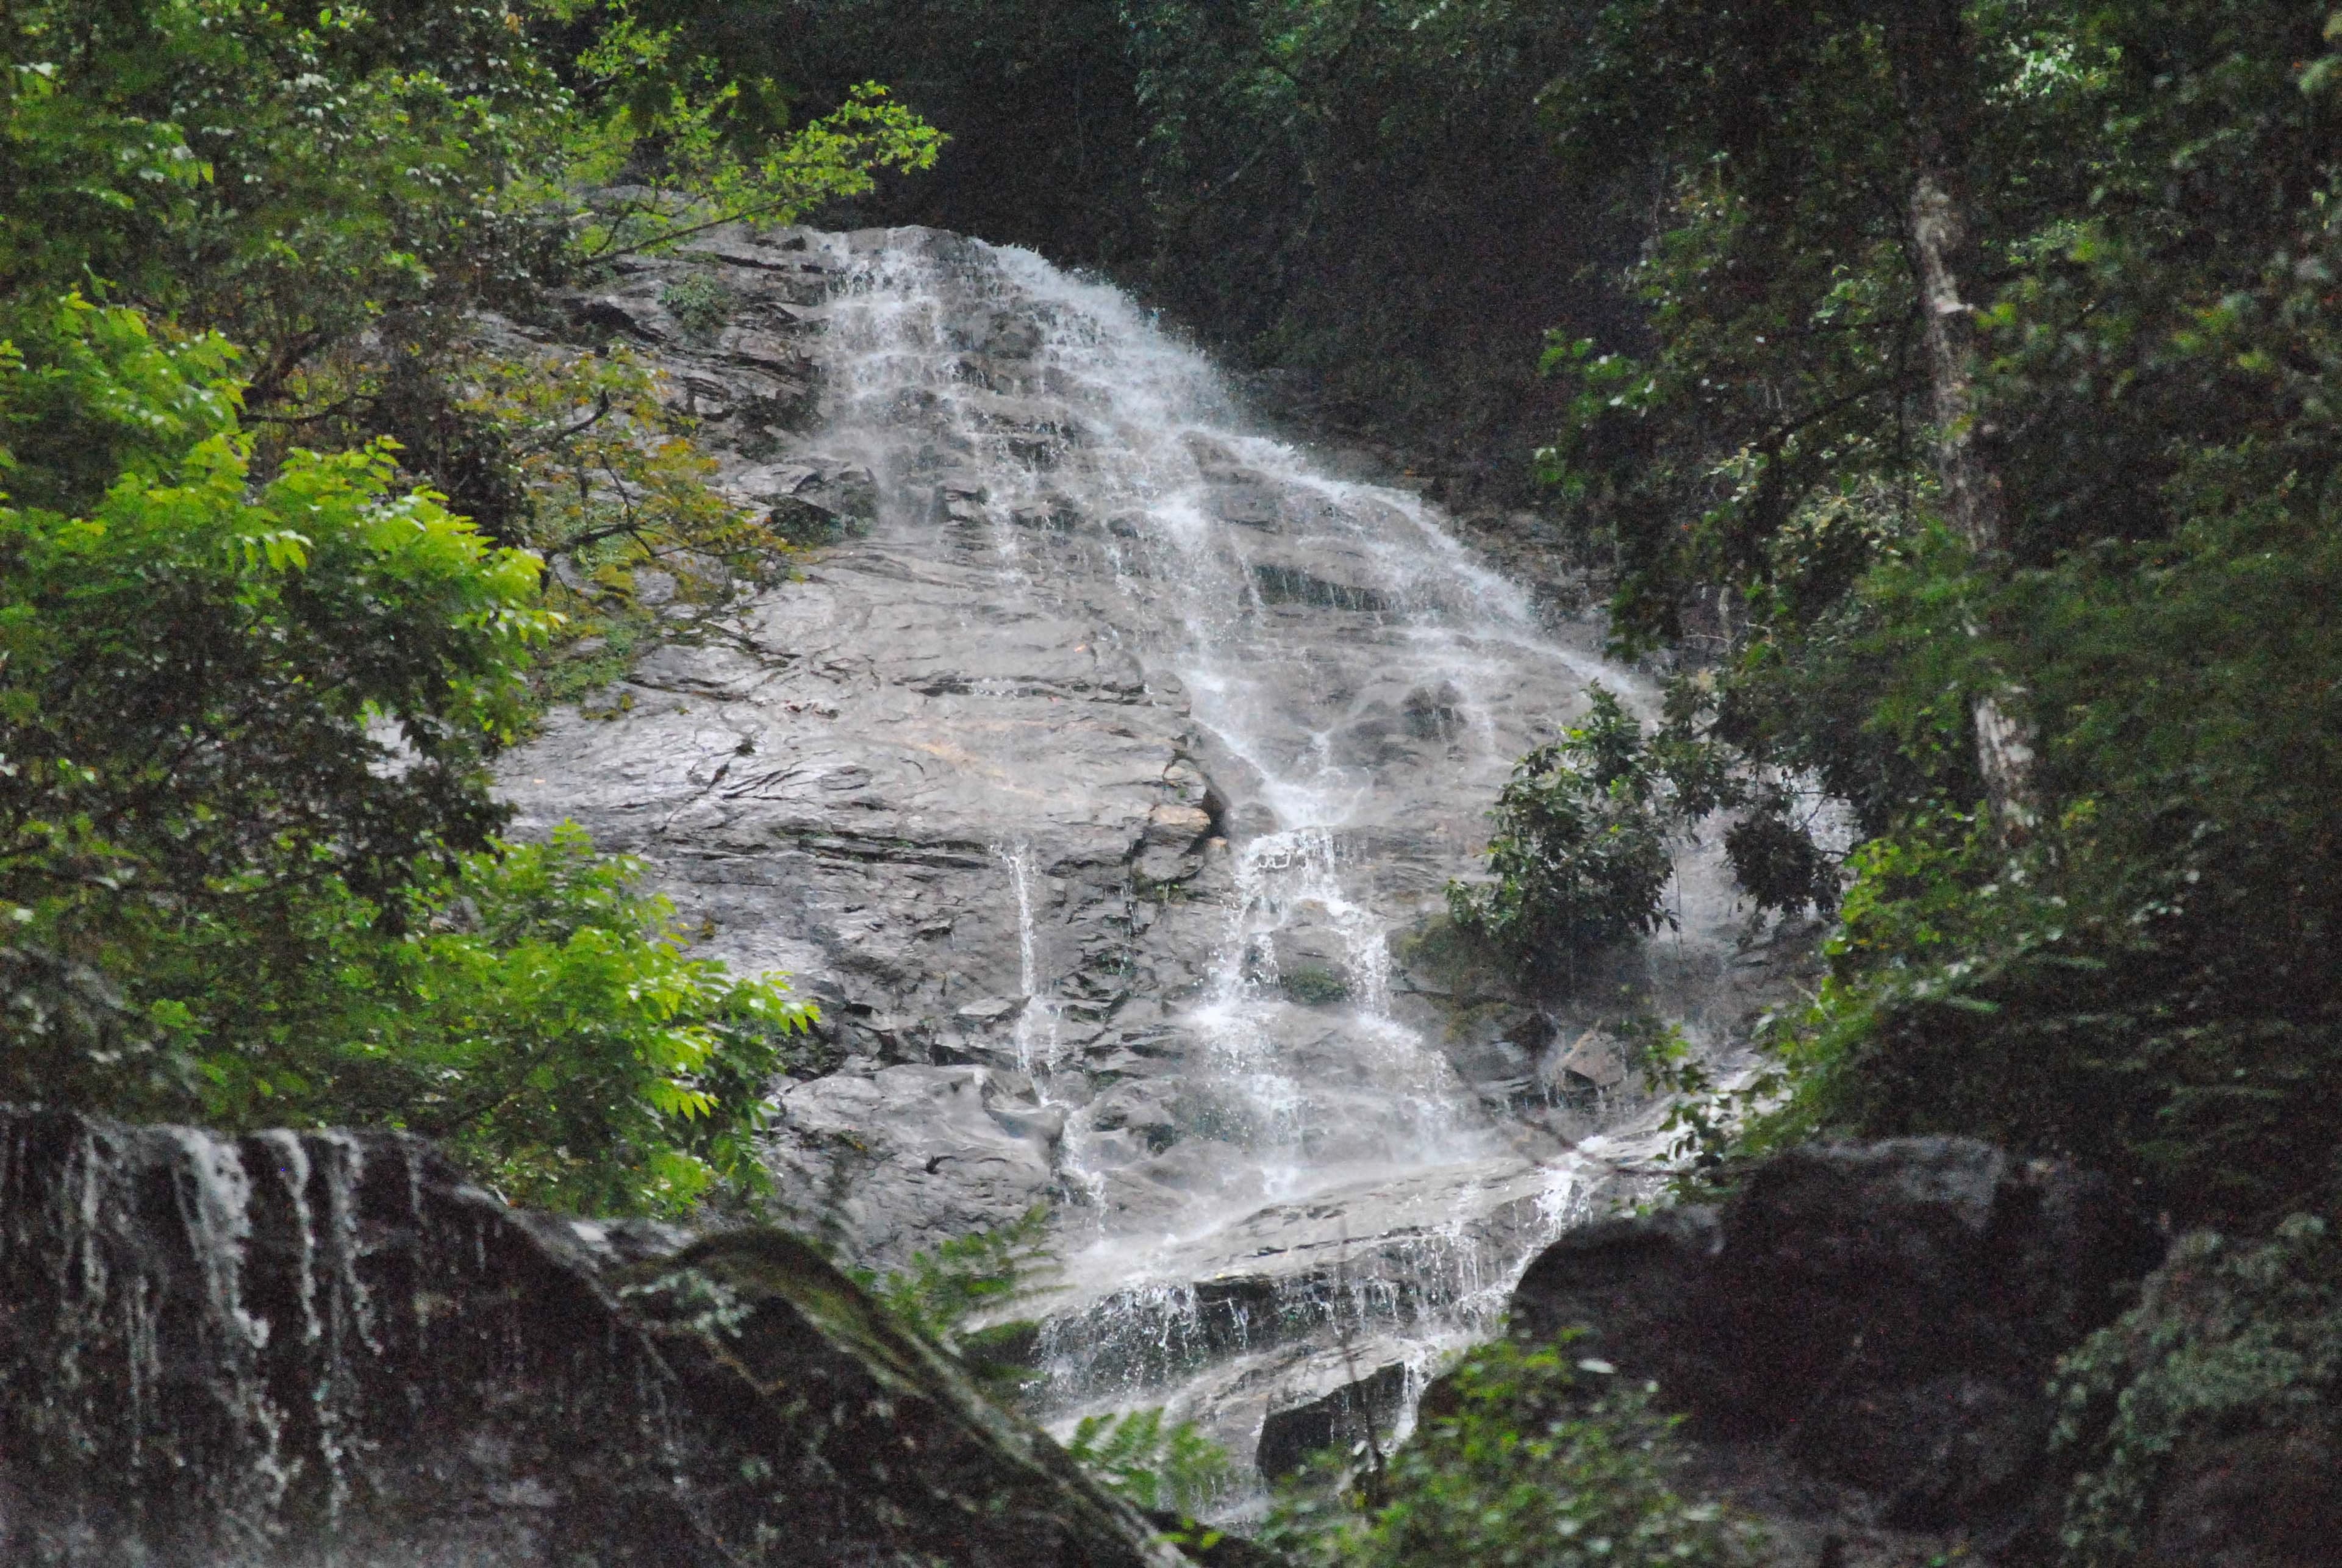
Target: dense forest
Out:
[1949,397]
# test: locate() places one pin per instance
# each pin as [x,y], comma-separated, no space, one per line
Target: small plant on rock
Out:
[700,305]
[2230,1366]
[1162,1468]
[941,1292]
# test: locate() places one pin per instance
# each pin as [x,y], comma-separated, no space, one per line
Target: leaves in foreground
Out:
[1522,1457]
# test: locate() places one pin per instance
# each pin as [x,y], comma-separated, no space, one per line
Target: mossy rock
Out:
[1315,984]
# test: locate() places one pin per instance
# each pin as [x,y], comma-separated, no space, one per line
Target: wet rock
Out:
[1595,1059]
[1632,1288]
[1884,1315]
[1097,698]
[287,1349]
[639,319]
[1367,1408]
[1312,957]
[1145,1111]
[992,1009]
[1434,713]
[899,1159]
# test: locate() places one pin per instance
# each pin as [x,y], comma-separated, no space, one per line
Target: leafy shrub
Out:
[543,1020]
[700,303]
[2146,984]
[225,699]
[1523,1458]
[2231,1341]
[248,858]
[944,1287]
[1579,857]
[1172,1469]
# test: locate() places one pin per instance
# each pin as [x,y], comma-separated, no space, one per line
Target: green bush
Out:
[248,868]
[699,302]
[1579,856]
[2231,1341]
[2144,983]
[226,701]
[1525,1459]
[942,1288]
[542,1020]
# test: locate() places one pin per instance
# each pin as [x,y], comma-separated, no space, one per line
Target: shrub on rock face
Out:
[1523,1457]
[2208,1420]
[1579,856]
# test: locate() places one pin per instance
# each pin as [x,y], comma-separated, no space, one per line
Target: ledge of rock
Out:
[295,1348]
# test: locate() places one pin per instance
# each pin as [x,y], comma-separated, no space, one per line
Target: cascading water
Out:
[1086,790]
[1358,686]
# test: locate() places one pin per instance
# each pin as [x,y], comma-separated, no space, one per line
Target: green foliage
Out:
[2137,980]
[247,862]
[1579,857]
[296,176]
[92,395]
[610,484]
[666,122]
[222,698]
[2233,1341]
[1524,1458]
[1361,191]
[1314,984]
[337,192]
[701,303]
[2143,985]
[540,1020]
[945,1286]
[1171,1469]
[246,851]
[944,1289]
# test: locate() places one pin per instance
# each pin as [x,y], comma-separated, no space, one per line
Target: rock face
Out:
[324,1348]
[1862,1334]
[1085,777]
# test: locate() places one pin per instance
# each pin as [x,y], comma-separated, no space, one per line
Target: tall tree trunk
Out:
[1929,50]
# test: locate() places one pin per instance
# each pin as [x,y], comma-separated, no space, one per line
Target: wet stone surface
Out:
[301,1350]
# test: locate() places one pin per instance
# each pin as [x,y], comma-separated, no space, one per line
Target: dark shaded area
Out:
[1879,1317]
[1364,204]
[1352,1413]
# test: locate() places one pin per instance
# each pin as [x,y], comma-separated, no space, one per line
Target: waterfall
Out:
[1357,686]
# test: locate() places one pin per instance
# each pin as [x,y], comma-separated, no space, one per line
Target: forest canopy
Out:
[272,552]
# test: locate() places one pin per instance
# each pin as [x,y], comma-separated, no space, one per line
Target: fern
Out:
[1168,1468]
[940,1291]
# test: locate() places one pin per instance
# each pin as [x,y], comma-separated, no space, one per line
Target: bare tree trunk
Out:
[1929,54]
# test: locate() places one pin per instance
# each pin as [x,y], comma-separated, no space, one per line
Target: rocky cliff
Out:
[1099,774]
[1862,1337]
[324,1349]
